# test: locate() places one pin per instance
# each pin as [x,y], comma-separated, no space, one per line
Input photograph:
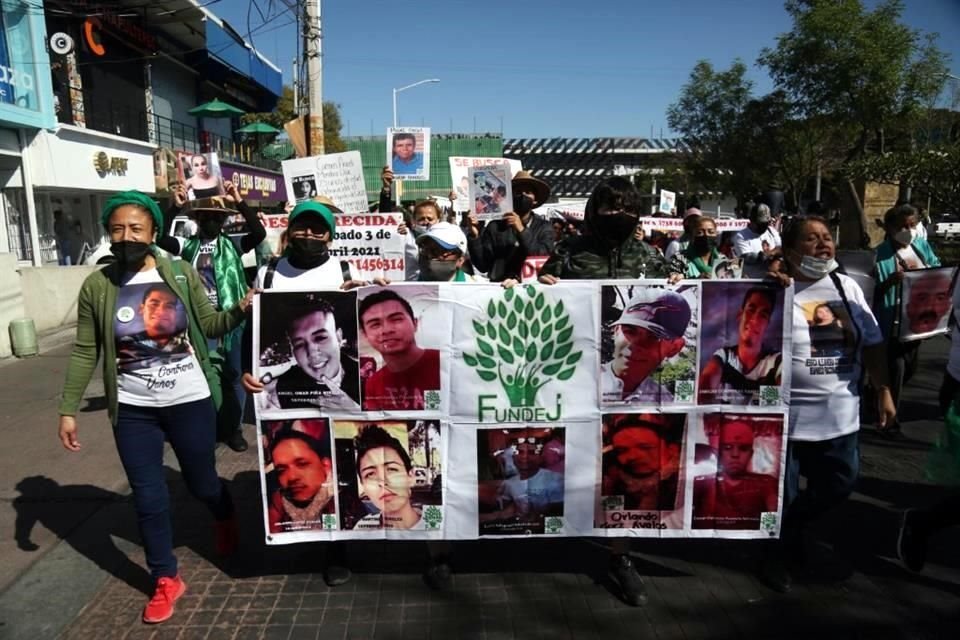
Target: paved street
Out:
[73,567]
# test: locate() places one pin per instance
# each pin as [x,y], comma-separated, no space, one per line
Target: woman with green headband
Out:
[149,318]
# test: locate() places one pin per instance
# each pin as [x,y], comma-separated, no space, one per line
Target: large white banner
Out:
[460,411]
[339,176]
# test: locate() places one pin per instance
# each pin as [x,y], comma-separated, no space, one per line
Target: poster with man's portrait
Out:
[297,475]
[408,149]
[926,302]
[742,344]
[738,465]
[641,478]
[305,348]
[648,344]
[200,174]
[389,475]
[403,332]
[491,191]
[521,480]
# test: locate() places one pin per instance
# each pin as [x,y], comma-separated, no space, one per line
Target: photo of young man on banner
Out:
[741,343]
[925,302]
[306,350]
[401,337]
[297,475]
[389,475]
[739,461]
[520,480]
[648,344]
[642,484]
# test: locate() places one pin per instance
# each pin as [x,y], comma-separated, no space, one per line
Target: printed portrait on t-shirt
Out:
[831,329]
[521,480]
[402,335]
[150,325]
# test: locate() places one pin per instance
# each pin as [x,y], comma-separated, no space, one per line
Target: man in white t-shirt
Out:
[757,243]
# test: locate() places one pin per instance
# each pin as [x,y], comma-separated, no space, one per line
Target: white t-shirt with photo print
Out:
[824,394]
[156,364]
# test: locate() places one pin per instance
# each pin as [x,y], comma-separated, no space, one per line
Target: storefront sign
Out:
[255,184]
[110,165]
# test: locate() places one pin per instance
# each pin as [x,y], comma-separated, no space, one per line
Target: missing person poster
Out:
[409,151]
[491,191]
[460,168]
[338,176]
[742,343]
[201,175]
[305,351]
[926,302]
[738,460]
[371,244]
[648,343]
[389,475]
[466,411]
[520,485]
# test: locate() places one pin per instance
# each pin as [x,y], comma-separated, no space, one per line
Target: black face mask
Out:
[704,244]
[306,253]
[615,228]
[210,226]
[522,204]
[130,254]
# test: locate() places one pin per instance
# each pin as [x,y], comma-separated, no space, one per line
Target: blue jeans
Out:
[139,434]
[830,467]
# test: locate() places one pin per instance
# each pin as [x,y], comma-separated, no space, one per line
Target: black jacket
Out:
[500,251]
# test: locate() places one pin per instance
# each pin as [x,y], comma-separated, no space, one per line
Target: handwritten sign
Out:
[339,176]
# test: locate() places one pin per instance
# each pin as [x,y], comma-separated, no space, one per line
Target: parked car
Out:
[946,227]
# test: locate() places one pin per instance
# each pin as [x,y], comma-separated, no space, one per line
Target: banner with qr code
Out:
[461,411]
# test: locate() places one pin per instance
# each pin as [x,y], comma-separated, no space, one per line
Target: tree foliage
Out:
[284,112]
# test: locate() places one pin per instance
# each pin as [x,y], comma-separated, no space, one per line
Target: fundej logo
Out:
[524,341]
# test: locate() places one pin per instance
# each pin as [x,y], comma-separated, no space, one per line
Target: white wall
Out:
[11,299]
[50,294]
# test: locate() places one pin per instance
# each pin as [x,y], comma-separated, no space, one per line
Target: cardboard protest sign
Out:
[409,151]
[491,191]
[531,444]
[926,302]
[371,244]
[339,176]
[668,199]
[201,175]
[459,168]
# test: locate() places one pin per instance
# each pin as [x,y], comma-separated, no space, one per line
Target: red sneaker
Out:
[226,536]
[160,607]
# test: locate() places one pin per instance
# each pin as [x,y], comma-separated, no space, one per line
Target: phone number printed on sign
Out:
[371,244]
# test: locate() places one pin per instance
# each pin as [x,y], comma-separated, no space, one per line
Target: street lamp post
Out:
[395,125]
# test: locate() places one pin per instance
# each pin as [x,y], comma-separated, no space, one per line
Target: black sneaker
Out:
[438,575]
[911,544]
[237,442]
[632,589]
[335,571]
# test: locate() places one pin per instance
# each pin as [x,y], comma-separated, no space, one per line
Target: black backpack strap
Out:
[846,305]
[271,269]
[952,322]
[345,270]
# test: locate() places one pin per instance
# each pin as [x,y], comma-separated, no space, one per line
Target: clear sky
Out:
[558,68]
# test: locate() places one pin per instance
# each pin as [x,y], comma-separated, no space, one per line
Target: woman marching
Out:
[149,319]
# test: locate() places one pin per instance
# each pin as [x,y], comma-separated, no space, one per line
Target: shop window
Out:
[18,85]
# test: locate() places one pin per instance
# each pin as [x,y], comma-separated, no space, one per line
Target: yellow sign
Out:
[109,165]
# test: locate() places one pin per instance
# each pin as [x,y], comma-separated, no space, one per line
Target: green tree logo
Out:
[524,341]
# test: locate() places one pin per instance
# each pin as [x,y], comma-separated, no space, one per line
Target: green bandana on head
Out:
[136,198]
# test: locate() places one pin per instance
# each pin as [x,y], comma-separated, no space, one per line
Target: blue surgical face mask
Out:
[815,268]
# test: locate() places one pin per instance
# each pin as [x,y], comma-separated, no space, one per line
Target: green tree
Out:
[865,73]
[284,112]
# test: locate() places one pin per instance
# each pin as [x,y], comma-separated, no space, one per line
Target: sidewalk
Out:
[94,585]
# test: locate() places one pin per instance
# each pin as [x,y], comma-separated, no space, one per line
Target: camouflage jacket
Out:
[587,258]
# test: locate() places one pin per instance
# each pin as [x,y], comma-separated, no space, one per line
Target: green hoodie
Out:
[96,306]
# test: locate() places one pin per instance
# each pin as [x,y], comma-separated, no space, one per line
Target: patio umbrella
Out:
[216,109]
[258,128]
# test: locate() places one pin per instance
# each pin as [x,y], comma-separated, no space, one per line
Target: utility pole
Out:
[313,33]
[296,88]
